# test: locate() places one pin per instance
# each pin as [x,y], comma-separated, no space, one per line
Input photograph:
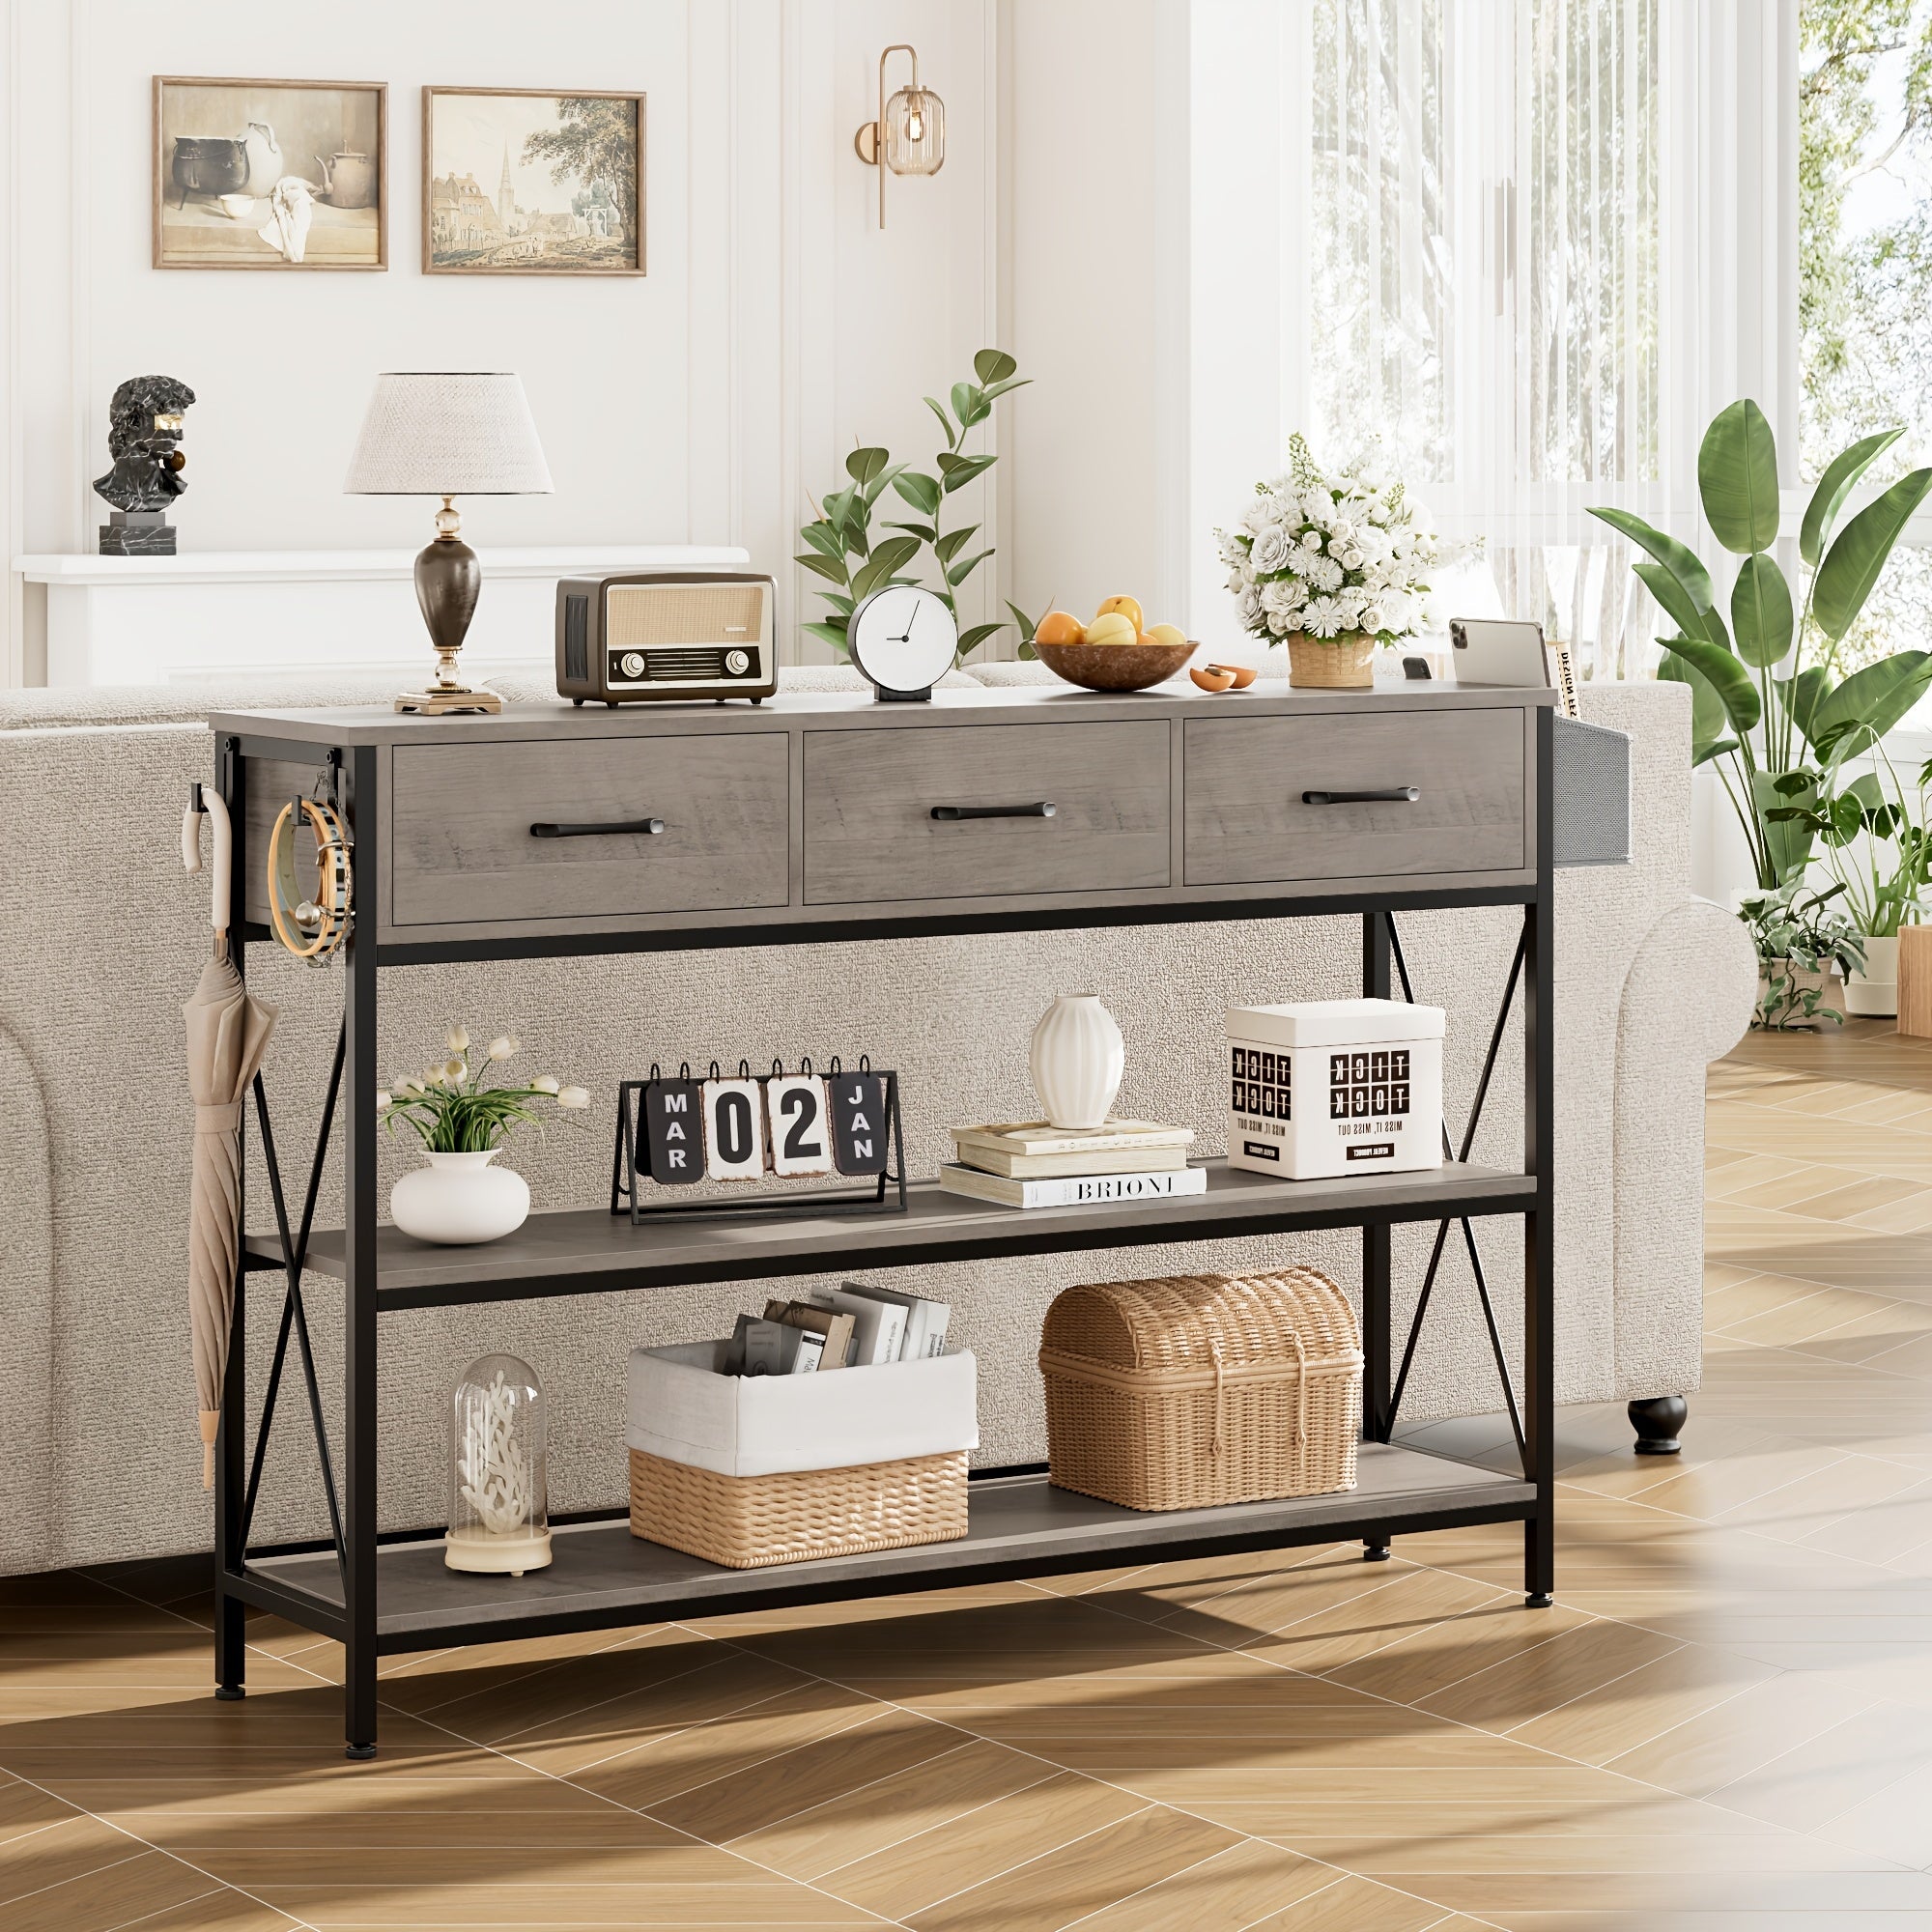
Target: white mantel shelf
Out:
[222,614]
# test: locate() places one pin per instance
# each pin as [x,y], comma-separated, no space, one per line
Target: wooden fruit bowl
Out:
[1115,667]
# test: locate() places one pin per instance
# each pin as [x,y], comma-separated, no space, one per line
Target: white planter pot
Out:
[458,1199]
[1875,990]
[1077,1061]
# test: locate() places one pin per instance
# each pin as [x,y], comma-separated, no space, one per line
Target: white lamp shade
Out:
[448,433]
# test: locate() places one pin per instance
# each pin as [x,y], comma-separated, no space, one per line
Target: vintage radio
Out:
[652,635]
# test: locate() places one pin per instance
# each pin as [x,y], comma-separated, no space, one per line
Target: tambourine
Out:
[310,928]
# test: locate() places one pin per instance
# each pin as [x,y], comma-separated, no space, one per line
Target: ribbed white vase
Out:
[1077,1061]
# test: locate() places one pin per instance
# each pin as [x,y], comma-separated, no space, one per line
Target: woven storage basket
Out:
[1201,1389]
[747,1522]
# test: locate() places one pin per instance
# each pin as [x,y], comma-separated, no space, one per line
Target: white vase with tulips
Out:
[1333,565]
[463,1115]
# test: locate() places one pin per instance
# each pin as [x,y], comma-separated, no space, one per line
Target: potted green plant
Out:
[1800,944]
[463,1118]
[1780,742]
[1875,844]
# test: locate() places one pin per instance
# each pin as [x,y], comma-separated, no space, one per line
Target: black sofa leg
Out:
[1658,1423]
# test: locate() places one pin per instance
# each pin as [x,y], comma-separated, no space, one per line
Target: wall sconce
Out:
[909,136]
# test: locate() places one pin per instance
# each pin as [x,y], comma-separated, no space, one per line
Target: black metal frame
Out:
[354,1539]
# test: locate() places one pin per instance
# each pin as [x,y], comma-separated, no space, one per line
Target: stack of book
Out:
[1029,1164]
[853,1327]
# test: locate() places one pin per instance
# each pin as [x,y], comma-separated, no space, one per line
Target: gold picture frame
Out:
[223,145]
[542,216]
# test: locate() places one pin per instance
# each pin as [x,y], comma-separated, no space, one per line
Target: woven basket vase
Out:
[747,1522]
[1198,1390]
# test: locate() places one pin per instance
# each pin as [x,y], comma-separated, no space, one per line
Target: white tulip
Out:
[572,1097]
[459,1040]
[383,1101]
[545,1083]
[453,1072]
[502,1047]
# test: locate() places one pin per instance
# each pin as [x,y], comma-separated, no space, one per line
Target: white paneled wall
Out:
[776,326]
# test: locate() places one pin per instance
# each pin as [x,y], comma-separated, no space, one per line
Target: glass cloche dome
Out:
[499,1517]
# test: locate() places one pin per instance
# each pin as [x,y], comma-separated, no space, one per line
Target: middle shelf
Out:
[590,1251]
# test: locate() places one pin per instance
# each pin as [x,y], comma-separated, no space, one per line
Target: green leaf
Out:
[823,538]
[1840,474]
[1725,675]
[1680,562]
[993,365]
[828,634]
[945,421]
[1714,750]
[1802,695]
[1707,708]
[925,532]
[919,489]
[971,641]
[1858,552]
[1870,703]
[1787,836]
[891,553]
[1672,598]
[879,482]
[960,470]
[838,600]
[841,507]
[863,465]
[964,396]
[832,571]
[1761,611]
[958,572]
[1737,478]
[946,547]
[994,389]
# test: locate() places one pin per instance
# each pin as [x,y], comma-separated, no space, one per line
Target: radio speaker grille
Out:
[577,638]
[646,616]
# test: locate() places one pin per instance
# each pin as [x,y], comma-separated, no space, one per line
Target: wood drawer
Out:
[463,851]
[1248,821]
[870,832]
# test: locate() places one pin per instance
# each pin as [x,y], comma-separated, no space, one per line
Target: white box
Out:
[682,1410]
[1325,1087]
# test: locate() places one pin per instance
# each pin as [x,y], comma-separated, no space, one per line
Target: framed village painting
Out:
[270,174]
[521,182]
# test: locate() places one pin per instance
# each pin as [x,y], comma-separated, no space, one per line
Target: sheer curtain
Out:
[1476,193]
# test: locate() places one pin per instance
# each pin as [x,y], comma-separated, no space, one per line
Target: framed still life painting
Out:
[270,174]
[521,182]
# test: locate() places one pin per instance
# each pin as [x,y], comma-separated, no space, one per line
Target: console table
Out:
[814,818]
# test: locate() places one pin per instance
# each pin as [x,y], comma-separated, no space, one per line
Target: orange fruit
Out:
[1111,628]
[1212,677]
[1058,627]
[1128,608]
[1167,634]
[1242,676]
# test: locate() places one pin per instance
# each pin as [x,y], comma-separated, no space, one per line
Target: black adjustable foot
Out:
[230,1693]
[1374,1552]
[1658,1423]
[360,1753]
[1539,1600]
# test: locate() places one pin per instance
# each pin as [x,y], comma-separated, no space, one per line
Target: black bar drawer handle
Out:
[647,826]
[951,813]
[1394,795]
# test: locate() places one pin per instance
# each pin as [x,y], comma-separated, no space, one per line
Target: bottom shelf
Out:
[601,1574]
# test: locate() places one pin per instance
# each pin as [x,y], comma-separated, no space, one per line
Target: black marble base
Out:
[137,540]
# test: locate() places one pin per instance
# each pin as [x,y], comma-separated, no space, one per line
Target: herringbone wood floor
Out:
[1725,1724]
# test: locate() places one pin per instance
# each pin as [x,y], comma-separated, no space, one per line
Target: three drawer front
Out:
[1356,795]
[639,825]
[972,812]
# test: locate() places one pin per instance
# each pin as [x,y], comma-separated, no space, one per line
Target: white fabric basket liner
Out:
[682,1410]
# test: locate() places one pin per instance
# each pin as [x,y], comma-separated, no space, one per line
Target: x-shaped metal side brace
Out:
[1468,1232]
[295,1252]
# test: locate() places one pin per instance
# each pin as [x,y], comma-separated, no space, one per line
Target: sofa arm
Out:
[1686,1001]
[28,1491]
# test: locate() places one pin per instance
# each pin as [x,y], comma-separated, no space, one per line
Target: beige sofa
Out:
[101,936]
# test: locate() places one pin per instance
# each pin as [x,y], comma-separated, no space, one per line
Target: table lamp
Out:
[449,434]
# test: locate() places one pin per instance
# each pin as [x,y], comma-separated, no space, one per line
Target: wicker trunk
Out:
[747,1522]
[1198,1390]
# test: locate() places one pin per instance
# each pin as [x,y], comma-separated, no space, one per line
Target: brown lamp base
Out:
[449,581]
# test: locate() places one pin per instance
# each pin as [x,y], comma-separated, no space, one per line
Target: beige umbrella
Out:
[227,1035]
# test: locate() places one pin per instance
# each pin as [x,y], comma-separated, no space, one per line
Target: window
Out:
[1479,208]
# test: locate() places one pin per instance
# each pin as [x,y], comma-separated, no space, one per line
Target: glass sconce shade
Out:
[498,1516]
[915,127]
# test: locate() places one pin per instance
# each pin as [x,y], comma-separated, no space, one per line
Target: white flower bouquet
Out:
[454,1107]
[1343,558]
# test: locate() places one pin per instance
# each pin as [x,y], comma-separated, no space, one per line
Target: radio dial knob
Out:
[737,663]
[631,663]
